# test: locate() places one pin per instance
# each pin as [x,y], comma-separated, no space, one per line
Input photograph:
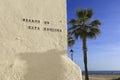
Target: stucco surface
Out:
[30,54]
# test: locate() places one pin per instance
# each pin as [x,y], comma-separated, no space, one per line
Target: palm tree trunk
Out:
[85,57]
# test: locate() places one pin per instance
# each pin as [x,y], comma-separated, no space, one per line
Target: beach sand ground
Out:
[102,77]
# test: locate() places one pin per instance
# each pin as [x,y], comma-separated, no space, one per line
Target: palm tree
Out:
[84,28]
[71,42]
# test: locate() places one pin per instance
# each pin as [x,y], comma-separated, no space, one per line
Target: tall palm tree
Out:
[71,42]
[84,28]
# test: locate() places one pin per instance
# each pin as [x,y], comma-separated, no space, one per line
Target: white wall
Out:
[34,54]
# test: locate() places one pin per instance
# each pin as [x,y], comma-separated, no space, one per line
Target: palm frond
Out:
[77,33]
[92,32]
[73,27]
[69,34]
[95,23]
[71,41]
[89,13]
[91,35]
[84,14]
[95,30]
[80,14]
[74,22]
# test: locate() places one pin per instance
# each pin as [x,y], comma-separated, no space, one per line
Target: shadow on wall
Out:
[44,66]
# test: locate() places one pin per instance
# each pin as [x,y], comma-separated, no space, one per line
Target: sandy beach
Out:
[102,77]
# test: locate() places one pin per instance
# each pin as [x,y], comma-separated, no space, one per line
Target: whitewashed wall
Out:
[33,43]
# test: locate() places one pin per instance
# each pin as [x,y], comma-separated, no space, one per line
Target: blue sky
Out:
[103,52]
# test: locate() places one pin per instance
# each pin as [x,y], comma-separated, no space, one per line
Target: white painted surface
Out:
[27,54]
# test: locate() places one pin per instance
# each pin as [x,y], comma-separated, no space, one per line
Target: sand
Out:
[102,77]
